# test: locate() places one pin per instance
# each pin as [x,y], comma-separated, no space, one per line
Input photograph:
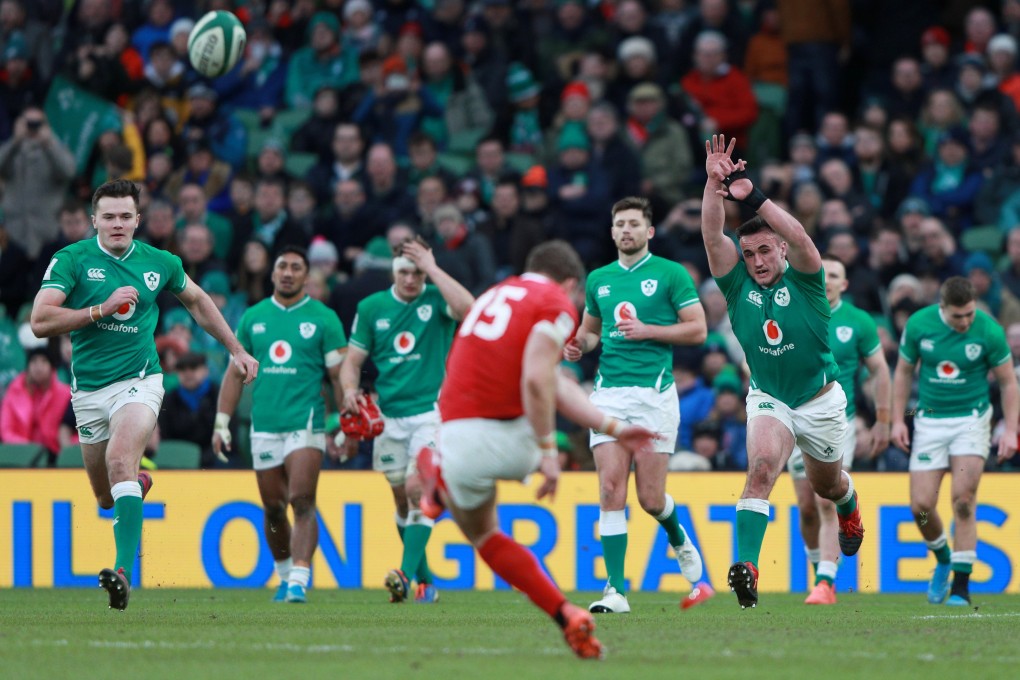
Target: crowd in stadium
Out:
[889,129]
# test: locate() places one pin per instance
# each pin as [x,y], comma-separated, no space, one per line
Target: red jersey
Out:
[483,371]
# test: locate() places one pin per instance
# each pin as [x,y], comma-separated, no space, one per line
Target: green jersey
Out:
[408,341]
[784,330]
[853,336]
[651,290]
[291,345]
[954,366]
[120,346]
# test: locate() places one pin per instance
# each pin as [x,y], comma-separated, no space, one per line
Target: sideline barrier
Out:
[205,529]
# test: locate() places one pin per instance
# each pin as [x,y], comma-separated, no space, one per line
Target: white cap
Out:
[181,26]
[353,6]
[1002,43]
[636,47]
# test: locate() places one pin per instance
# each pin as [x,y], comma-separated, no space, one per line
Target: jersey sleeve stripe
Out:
[332,358]
[688,303]
[52,285]
[1004,359]
[906,358]
[357,344]
[873,350]
[552,330]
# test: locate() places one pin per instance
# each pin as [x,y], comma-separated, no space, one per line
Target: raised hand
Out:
[120,301]
[716,151]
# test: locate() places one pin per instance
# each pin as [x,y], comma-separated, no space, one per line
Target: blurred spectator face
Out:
[714,12]
[191,377]
[837,175]
[74,224]
[971,78]
[935,54]
[381,166]
[448,11]
[201,107]
[1002,61]
[906,75]
[436,61]
[325,103]
[158,168]
[803,153]
[467,197]
[255,258]
[1013,340]
[159,221]
[885,248]
[448,228]
[269,200]
[1011,10]
[630,16]
[576,107]
[316,285]
[191,200]
[94,12]
[593,67]
[574,158]
[638,67]
[943,108]
[834,128]
[323,38]
[200,161]
[347,144]
[431,193]
[709,56]
[12,15]
[979,27]
[875,116]
[409,46]
[984,124]
[398,234]
[242,193]
[807,200]
[116,38]
[643,110]
[348,196]
[867,144]
[39,371]
[489,156]
[422,155]
[1013,246]
[534,200]
[474,42]
[505,201]
[601,124]
[845,248]
[159,134]
[952,153]
[570,14]
[161,13]
[727,404]
[196,243]
[300,202]
[714,303]
[270,161]
[934,239]
[900,137]
[705,444]
[981,280]
[835,214]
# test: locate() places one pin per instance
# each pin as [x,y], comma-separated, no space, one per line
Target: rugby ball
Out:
[216,43]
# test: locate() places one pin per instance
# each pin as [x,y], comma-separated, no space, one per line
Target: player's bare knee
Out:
[651,503]
[303,504]
[276,513]
[963,507]
[809,515]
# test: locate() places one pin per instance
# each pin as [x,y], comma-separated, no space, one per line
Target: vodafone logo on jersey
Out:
[773,333]
[625,311]
[947,370]
[403,343]
[125,311]
[280,352]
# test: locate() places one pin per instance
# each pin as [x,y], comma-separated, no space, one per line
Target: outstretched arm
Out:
[208,316]
[722,254]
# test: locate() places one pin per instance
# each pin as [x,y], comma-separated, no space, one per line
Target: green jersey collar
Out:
[294,306]
[838,305]
[393,292]
[122,257]
[637,264]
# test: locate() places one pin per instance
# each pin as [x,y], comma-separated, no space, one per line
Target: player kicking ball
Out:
[498,407]
[103,292]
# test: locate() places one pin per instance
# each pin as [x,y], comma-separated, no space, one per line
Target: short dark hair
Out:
[829,257]
[419,138]
[557,259]
[634,203]
[70,205]
[116,188]
[272,181]
[293,250]
[957,291]
[753,226]
[190,360]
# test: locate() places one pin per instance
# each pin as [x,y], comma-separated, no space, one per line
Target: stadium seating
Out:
[987,239]
[70,457]
[20,455]
[765,139]
[176,454]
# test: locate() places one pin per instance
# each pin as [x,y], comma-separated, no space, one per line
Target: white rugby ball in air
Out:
[216,43]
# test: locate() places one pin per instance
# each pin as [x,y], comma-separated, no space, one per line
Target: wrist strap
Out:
[754,200]
[96,312]
[222,421]
[547,445]
[610,426]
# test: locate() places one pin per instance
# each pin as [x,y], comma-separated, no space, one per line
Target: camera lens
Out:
[33,124]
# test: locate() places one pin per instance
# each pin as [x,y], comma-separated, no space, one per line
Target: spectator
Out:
[36,169]
[158,228]
[887,256]
[696,398]
[992,295]
[196,245]
[466,256]
[189,408]
[998,200]
[490,166]
[74,225]
[464,109]
[878,180]
[301,207]
[939,255]
[156,29]
[803,158]
[324,260]
[936,69]
[385,185]
[907,95]
[972,87]
[950,184]
[204,169]
[535,197]
[988,149]
[910,215]
[838,181]
[979,27]
[711,15]
[721,89]
[194,209]
[270,223]
[394,112]
[34,404]
[507,35]
[424,162]
[610,152]
[678,236]
[370,79]
[575,103]
[573,33]
[579,193]
[15,24]
[14,269]
[731,416]
[518,126]
[864,287]
[638,60]
[227,137]
[103,69]
[319,126]
[349,222]
[1011,273]
[766,60]
[666,158]
[270,161]
[444,24]
[511,233]
[256,83]
[20,88]
[242,204]
[488,66]
[346,162]
[326,60]
[360,31]
[432,192]
[904,147]
[834,139]
[166,75]
[1002,53]
[253,275]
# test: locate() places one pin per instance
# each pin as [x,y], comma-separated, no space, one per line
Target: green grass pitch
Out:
[190,634]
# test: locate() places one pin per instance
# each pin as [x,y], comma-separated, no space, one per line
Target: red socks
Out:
[519,568]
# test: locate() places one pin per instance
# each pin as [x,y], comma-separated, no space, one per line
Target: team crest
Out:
[844,333]
[782,297]
[425,312]
[649,286]
[972,351]
[151,280]
[307,330]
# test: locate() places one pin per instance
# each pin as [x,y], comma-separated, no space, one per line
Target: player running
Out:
[853,338]
[776,303]
[103,292]
[639,306]
[300,342]
[498,406]
[956,345]
[407,330]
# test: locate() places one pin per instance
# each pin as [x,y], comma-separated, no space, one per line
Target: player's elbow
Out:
[41,328]
[700,334]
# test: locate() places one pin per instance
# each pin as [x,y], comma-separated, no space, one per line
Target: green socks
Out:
[613,533]
[940,546]
[752,520]
[127,524]
[668,519]
[421,572]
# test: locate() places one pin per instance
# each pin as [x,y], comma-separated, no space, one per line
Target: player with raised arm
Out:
[853,338]
[300,342]
[407,330]
[956,345]
[498,406]
[777,305]
[639,307]
[103,292]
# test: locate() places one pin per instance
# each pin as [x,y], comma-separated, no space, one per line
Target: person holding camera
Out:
[36,169]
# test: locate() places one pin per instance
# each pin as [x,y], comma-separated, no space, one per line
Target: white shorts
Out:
[269,449]
[402,438]
[93,410]
[819,427]
[475,452]
[938,439]
[646,406]
[795,465]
